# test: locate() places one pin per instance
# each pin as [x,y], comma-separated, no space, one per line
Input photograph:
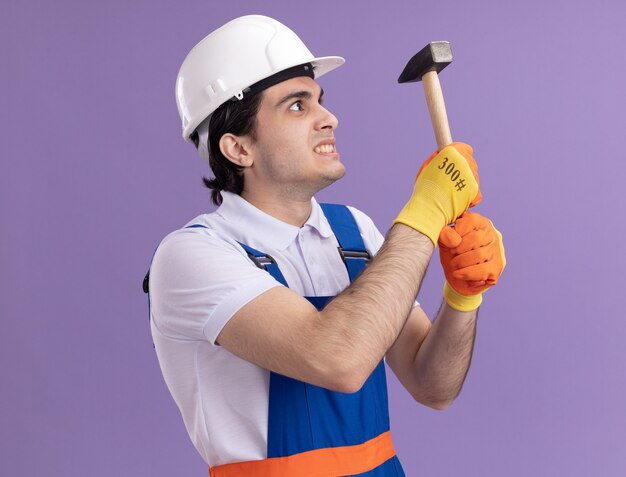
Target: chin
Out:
[339,169]
[336,174]
[333,176]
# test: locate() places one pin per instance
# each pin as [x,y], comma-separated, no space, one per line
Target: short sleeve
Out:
[198,281]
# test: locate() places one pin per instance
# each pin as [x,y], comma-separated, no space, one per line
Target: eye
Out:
[297,106]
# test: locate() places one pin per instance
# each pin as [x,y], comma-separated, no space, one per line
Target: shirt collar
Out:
[255,224]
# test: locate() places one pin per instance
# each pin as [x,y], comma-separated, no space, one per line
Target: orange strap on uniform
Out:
[329,461]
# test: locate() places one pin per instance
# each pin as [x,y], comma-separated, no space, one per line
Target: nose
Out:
[327,120]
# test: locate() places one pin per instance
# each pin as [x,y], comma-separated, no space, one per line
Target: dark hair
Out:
[235,117]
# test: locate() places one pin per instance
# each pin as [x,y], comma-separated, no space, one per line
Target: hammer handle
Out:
[437,109]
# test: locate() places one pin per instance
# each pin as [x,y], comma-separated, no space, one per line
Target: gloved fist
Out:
[472,256]
[446,185]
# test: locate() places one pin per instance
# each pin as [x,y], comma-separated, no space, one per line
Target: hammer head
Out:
[433,57]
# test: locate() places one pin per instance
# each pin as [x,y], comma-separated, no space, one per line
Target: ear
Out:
[236,149]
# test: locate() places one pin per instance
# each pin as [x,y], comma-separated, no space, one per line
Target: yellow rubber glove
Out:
[446,185]
[472,256]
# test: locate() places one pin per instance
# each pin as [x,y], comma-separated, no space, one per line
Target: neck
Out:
[292,211]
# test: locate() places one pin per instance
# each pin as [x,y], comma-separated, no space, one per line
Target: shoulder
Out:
[190,240]
[371,235]
[198,279]
[197,257]
[362,219]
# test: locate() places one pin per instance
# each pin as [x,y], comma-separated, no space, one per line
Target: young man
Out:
[270,375]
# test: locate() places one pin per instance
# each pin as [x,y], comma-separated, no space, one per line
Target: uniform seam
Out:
[201,397]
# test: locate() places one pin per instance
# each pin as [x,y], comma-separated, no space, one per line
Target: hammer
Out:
[425,66]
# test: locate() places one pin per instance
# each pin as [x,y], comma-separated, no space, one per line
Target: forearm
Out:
[373,310]
[365,320]
[444,357]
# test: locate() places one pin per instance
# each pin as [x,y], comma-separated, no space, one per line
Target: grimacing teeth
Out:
[325,149]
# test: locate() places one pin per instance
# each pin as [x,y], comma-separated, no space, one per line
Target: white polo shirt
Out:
[199,278]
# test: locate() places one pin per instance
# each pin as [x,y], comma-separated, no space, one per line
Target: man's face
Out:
[295,151]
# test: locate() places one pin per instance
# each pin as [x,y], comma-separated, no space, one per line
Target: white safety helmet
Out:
[234,57]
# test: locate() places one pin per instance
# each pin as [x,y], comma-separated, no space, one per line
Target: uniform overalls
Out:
[315,432]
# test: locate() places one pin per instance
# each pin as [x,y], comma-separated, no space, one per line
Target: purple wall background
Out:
[94,174]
